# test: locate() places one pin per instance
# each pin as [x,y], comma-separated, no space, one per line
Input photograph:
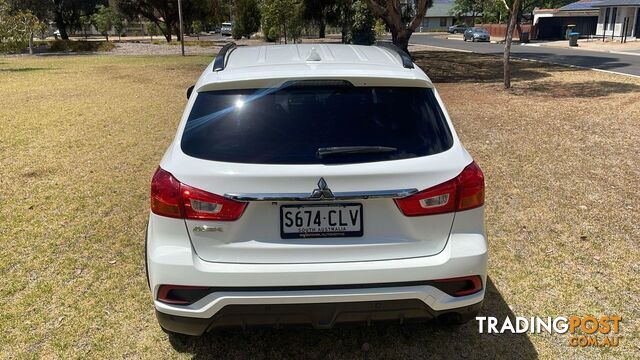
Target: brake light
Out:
[464,192]
[202,205]
[165,195]
[173,199]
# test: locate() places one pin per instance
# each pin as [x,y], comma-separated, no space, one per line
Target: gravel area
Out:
[153,49]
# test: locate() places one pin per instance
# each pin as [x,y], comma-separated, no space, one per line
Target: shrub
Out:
[363,21]
[79,46]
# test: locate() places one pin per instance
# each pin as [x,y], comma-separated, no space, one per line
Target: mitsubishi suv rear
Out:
[314,185]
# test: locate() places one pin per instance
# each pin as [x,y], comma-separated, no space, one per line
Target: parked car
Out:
[226,28]
[460,28]
[315,194]
[476,34]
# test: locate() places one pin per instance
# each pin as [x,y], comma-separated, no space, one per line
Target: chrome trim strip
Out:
[347,195]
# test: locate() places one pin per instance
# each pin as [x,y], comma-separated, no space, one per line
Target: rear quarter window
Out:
[288,125]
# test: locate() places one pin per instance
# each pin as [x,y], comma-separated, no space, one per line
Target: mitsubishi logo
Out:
[322,192]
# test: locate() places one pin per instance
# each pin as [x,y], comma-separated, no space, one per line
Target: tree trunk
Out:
[401,38]
[62,25]
[106,37]
[323,27]
[30,43]
[507,44]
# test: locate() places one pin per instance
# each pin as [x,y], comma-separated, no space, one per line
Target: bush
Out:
[79,46]
[362,32]
[272,35]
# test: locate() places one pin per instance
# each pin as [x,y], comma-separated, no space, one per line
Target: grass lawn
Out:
[81,136]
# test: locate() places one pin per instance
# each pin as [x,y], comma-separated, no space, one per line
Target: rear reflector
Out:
[464,192]
[173,199]
[181,295]
[460,286]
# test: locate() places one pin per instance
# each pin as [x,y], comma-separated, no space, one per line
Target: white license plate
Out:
[312,221]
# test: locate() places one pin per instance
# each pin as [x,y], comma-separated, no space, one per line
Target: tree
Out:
[164,13]
[119,24]
[341,15]
[17,30]
[461,8]
[103,20]
[68,13]
[196,27]
[318,11]
[152,29]
[515,8]
[363,21]
[281,18]
[391,12]
[247,18]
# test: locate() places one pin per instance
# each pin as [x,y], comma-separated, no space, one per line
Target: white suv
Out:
[315,184]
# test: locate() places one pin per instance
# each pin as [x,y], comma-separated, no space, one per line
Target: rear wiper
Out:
[352,150]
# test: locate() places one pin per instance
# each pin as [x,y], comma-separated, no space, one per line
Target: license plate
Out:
[313,221]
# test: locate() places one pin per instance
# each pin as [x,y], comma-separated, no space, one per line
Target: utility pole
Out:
[181,27]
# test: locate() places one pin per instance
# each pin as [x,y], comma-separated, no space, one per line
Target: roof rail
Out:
[407,63]
[219,63]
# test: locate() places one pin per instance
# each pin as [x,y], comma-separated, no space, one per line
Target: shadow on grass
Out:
[25,69]
[380,340]
[460,67]
[590,89]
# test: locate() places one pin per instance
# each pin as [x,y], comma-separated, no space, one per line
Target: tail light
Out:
[173,199]
[464,192]
[460,286]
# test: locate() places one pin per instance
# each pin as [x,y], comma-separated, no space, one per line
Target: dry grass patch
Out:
[81,136]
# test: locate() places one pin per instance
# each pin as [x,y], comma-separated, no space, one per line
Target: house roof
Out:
[617,3]
[582,5]
[440,8]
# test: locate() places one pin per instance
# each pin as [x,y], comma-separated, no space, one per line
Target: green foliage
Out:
[103,19]
[380,29]
[247,18]
[119,23]
[273,34]
[152,29]
[16,29]
[282,18]
[197,27]
[362,32]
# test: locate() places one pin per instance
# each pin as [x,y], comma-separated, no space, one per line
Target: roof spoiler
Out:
[407,63]
[220,62]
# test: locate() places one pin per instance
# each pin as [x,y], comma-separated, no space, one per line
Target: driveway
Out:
[627,64]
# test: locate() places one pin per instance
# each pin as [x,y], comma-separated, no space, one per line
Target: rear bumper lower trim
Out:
[316,315]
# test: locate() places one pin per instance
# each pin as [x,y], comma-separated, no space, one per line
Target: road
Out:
[626,64]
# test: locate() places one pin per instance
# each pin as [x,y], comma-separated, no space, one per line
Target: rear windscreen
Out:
[289,125]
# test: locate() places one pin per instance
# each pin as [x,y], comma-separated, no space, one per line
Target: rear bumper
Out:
[316,315]
[172,260]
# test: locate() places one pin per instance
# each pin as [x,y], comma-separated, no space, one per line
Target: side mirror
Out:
[189,91]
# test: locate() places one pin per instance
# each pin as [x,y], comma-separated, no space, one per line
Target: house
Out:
[438,16]
[552,24]
[613,14]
